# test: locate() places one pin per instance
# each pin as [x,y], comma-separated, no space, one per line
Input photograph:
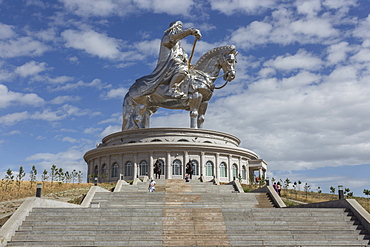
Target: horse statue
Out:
[198,87]
[157,169]
[189,169]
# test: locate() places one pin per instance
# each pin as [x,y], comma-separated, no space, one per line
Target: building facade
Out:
[132,153]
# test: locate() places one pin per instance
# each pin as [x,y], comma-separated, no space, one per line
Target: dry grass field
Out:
[11,190]
[290,197]
[311,197]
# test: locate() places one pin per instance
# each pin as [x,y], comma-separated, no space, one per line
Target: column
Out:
[168,166]
[135,166]
[217,166]
[248,172]
[202,163]
[151,166]
[109,169]
[229,168]
[186,159]
[240,166]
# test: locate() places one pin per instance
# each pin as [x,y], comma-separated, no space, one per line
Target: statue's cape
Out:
[162,74]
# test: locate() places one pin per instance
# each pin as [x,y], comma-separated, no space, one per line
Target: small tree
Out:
[67,177]
[286,183]
[319,191]
[299,185]
[20,177]
[74,176]
[33,174]
[367,193]
[332,190]
[9,178]
[79,177]
[53,172]
[44,177]
[295,189]
[60,175]
[307,189]
[347,191]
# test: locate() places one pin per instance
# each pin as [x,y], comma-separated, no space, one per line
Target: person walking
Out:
[152,184]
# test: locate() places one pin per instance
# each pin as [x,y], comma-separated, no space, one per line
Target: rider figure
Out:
[180,58]
[172,65]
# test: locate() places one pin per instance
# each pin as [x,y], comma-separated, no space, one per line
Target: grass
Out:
[289,196]
[11,190]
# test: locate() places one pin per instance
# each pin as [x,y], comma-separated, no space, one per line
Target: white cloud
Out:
[63,99]
[343,5]
[56,80]
[30,68]
[314,27]
[96,83]
[93,43]
[23,46]
[301,60]
[166,6]
[45,115]
[343,73]
[105,8]
[97,7]
[14,132]
[14,118]
[117,93]
[91,130]
[285,27]
[68,160]
[6,31]
[110,130]
[8,98]
[69,139]
[229,7]
[149,47]
[338,52]
[308,7]
[362,56]
[254,34]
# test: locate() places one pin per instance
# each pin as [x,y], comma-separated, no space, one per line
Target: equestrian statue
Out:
[175,83]
[157,169]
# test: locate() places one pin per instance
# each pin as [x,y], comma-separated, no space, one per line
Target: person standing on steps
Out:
[152,184]
[278,188]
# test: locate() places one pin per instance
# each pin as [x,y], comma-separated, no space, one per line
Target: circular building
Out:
[132,153]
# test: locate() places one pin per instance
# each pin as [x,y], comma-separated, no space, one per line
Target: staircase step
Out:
[187,214]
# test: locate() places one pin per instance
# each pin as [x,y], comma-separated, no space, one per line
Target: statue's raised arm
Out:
[175,85]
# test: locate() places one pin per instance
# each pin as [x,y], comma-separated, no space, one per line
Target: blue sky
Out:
[300,99]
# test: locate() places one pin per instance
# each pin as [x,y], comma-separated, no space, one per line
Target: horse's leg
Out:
[149,112]
[202,113]
[128,113]
[135,113]
[195,100]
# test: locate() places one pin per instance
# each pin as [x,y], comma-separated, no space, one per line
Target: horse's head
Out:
[228,65]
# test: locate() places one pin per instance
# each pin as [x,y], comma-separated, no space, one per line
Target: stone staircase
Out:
[187,214]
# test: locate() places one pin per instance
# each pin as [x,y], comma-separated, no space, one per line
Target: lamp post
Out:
[340,192]
[96,181]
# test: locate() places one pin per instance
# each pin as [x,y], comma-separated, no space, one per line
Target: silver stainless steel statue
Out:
[174,83]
